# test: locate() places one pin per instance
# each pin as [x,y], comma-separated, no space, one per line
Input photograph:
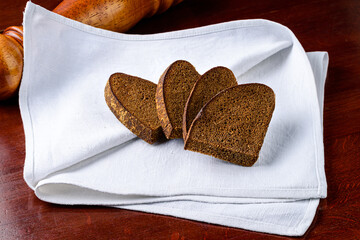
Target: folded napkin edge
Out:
[184,33]
[240,222]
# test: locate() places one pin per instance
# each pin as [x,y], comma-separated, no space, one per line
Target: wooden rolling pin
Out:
[114,15]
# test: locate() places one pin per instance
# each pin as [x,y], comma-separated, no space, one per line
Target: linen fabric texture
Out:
[77,152]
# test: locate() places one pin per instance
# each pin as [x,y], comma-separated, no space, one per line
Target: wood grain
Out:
[11,65]
[117,16]
[332,26]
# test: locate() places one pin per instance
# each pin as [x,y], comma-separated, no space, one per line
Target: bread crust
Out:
[231,81]
[128,119]
[161,107]
[217,150]
[168,127]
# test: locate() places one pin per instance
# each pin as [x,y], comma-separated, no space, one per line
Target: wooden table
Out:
[326,25]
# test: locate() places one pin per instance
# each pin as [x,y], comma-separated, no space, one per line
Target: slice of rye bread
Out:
[233,124]
[206,87]
[132,100]
[172,92]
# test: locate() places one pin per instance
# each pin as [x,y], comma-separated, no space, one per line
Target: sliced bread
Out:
[233,124]
[206,87]
[172,92]
[132,100]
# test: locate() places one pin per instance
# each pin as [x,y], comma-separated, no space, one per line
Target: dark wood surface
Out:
[325,25]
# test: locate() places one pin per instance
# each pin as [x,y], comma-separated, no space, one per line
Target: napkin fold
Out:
[78,153]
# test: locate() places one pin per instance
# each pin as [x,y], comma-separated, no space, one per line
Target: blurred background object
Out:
[113,15]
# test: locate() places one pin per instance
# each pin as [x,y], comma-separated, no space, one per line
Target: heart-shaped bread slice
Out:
[233,124]
[172,92]
[132,100]
[206,87]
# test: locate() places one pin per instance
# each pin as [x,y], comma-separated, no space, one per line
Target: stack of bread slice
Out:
[211,112]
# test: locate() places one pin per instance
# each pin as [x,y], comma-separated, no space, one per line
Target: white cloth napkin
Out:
[77,152]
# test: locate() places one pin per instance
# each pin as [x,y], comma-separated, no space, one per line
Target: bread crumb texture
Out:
[233,124]
[206,87]
[172,92]
[132,100]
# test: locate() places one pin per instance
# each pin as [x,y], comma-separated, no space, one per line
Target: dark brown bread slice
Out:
[206,87]
[172,92]
[132,100]
[233,124]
